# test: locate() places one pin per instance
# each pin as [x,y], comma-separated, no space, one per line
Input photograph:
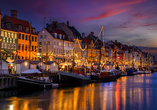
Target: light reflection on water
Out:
[128,93]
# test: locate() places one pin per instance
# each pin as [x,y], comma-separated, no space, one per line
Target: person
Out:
[9,69]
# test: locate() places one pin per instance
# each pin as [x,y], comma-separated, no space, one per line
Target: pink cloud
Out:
[123,4]
[105,14]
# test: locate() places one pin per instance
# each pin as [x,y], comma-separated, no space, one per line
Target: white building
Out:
[55,42]
[20,66]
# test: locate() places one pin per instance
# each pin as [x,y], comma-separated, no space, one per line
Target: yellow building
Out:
[27,41]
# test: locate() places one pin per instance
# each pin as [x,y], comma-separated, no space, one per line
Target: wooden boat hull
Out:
[33,84]
[69,79]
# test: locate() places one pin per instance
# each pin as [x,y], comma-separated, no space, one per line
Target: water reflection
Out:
[128,93]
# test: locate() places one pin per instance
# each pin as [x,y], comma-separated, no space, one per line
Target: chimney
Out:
[14,13]
[83,35]
[55,24]
[92,33]
[115,41]
[67,23]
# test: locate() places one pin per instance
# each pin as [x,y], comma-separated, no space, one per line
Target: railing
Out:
[4,72]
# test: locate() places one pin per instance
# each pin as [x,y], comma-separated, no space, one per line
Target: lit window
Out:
[8,34]
[8,46]
[10,40]
[14,41]
[7,39]
[3,39]
[5,34]
[2,33]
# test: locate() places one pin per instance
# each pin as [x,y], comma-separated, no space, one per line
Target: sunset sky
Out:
[132,22]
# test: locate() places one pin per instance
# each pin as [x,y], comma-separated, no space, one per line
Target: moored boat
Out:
[70,79]
[34,79]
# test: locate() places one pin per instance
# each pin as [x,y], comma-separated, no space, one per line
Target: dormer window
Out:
[60,36]
[8,25]
[20,27]
[33,30]
[27,29]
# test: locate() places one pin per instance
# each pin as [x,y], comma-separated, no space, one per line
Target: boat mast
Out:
[133,58]
[46,56]
[100,48]
[30,45]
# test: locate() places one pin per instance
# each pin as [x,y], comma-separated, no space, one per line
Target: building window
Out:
[7,39]
[45,36]
[11,35]
[48,42]
[8,34]
[60,44]
[54,51]
[5,33]
[19,36]
[57,43]
[11,46]
[26,37]
[2,45]
[10,40]
[54,43]
[14,41]
[32,48]
[35,48]
[22,47]
[44,43]
[40,50]
[40,43]
[5,45]
[15,36]
[2,33]
[22,36]
[57,51]
[32,38]
[35,39]
[41,36]
[19,46]
[15,46]
[3,39]
[8,46]
[26,47]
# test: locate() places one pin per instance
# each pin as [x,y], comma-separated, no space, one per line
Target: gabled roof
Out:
[50,62]
[18,61]
[35,62]
[87,41]
[75,32]
[16,21]
[59,31]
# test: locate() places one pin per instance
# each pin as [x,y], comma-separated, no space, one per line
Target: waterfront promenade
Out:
[136,92]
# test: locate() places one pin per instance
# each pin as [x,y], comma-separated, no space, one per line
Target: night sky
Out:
[132,22]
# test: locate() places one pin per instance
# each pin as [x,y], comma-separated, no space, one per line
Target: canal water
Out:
[137,92]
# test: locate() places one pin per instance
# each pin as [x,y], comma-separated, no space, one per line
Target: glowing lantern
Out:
[38,54]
